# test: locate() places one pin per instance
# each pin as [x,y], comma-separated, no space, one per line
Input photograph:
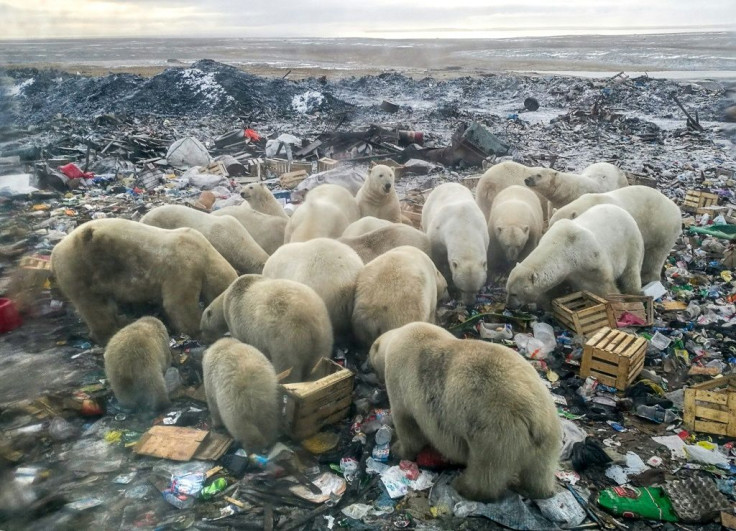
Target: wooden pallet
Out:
[614,357]
[639,305]
[309,406]
[710,407]
[583,312]
[698,201]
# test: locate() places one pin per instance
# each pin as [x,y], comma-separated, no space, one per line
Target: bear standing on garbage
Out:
[260,198]
[477,403]
[108,262]
[377,197]
[136,359]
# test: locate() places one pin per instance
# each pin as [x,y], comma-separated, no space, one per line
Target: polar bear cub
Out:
[600,251]
[477,403]
[242,393]
[377,197]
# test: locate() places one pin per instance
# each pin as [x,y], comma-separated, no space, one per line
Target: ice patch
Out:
[307,102]
[17,90]
[204,84]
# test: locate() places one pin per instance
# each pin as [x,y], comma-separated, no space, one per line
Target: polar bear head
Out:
[513,239]
[521,287]
[253,191]
[468,275]
[381,179]
[543,177]
[213,324]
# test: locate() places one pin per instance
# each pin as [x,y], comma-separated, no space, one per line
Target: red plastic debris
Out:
[72,171]
[431,458]
[9,316]
[250,134]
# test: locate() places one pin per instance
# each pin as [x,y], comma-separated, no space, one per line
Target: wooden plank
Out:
[623,347]
[307,431]
[308,421]
[710,427]
[605,379]
[715,398]
[705,413]
[605,355]
[689,409]
[599,316]
[718,382]
[731,428]
[597,308]
[308,407]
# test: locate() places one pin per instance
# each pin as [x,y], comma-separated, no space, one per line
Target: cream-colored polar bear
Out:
[267,230]
[514,226]
[377,197]
[458,234]
[501,176]
[106,263]
[365,225]
[600,251]
[477,403]
[399,287]
[242,393]
[327,266]
[285,320]
[225,234]
[136,359]
[561,188]
[375,243]
[260,198]
[326,212]
[659,220]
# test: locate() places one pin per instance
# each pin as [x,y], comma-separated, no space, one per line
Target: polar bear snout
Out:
[387,187]
[530,181]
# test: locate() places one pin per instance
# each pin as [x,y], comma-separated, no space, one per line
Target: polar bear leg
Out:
[159,395]
[654,259]
[630,280]
[537,481]
[100,314]
[181,305]
[212,406]
[486,476]
[410,438]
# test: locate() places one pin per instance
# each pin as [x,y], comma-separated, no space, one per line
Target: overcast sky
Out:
[345,18]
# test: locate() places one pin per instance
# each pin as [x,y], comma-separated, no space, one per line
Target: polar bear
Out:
[105,263]
[458,235]
[242,393]
[477,403]
[377,197]
[267,230]
[500,176]
[225,234]
[260,198]
[136,359]
[600,251]
[285,320]
[659,220]
[327,266]
[365,225]
[326,212]
[375,243]
[561,188]
[399,287]
[514,226]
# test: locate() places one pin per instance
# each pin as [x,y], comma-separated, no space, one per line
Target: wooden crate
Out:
[710,407]
[583,312]
[309,406]
[697,201]
[639,305]
[326,163]
[637,179]
[614,357]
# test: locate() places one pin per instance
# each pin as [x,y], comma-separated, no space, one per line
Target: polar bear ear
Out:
[499,230]
[525,229]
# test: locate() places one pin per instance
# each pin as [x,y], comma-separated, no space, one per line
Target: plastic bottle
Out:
[213,488]
[383,435]
[61,430]
[587,390]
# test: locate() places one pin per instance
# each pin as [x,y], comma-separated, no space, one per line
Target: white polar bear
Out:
[326,212]
[377,197]
[600,251]
[364,226]
[514,226]
[375,243]
[458,234]
[659,220]
[260,198]
[501,176]
[327,266]
[267,230]
[399,287]
[561,188]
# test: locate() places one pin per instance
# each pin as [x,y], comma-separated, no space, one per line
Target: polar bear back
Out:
[608,176]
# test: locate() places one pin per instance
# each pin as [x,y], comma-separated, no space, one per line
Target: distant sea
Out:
[713,52]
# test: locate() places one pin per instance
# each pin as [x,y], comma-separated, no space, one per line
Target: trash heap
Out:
[649,429]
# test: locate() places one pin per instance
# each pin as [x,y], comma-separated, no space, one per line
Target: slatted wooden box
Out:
[326,163]
[639,305]
[614,357]
[710,407]
[309,406]
[697,201]
[583,312]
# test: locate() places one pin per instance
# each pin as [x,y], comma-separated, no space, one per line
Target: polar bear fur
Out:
[260,198]
[285,320]
[326,212]
[108,262]
[136,359]
[458,234]
[267,230]
[561,188]
[514,226]
[327,266]
[477,403]
[377,197]
[242,393]
[500,176]
[659,220]
[600,251]
[399,287]
[225,234]
[365,225]
[375,243]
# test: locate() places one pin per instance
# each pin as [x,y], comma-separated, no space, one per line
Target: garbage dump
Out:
[644,384]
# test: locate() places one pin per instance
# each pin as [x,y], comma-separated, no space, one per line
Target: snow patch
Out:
[17,90]
[205,85]
[307,102]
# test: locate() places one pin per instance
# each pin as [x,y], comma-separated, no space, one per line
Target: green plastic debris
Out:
[724,232]
[649,503]
[213,488]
